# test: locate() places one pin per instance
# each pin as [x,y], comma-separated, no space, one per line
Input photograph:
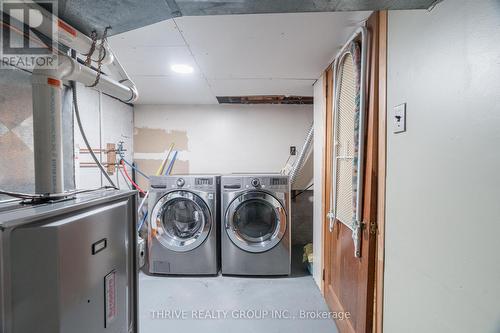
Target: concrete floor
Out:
[224,304]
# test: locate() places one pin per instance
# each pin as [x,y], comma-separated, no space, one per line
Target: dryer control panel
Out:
[269,182]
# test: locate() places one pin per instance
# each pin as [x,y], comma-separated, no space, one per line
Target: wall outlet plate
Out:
[293,150]
[399,118]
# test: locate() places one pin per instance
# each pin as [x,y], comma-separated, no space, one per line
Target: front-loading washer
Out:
[255,231]
[183,215]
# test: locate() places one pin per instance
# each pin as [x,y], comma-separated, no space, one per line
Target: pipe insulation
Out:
[297,168]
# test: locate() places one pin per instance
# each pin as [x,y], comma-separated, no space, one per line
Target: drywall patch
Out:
[180,167]
[153,140]
[149,167]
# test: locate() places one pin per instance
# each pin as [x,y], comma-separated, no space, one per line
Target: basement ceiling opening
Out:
[300,100]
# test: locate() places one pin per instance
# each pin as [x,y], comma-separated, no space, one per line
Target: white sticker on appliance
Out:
[110,297]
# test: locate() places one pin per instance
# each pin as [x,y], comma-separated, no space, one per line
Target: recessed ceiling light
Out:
[182,69]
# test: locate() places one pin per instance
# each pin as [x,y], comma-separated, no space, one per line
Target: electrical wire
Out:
[120,172]
[130,179]
[296,195]
[130,187]
[84,137]
[49,196]
[283,170]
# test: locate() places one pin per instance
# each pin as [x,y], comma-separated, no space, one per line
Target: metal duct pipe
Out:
[301,158]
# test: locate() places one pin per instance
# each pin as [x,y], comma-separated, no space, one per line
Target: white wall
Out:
[443,183]
[220,138]
[105,120]
[319,140]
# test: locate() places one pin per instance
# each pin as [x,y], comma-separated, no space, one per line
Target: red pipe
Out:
[130,179]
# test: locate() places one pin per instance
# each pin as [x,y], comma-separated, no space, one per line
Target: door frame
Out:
[374,203]
[382,167]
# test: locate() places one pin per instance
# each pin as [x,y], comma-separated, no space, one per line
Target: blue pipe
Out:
[135,168]
[171,165]
[142,222]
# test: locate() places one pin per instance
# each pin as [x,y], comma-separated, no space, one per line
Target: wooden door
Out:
[348,280]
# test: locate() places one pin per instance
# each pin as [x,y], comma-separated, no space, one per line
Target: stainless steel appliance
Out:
[69,266]
[256,225]
[182,230]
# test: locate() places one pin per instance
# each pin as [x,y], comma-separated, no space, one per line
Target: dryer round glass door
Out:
[256,221]
[182,221]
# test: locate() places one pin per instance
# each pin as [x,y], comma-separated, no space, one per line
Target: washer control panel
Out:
[187,182]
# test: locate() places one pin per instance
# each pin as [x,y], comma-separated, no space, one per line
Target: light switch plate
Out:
[399,119]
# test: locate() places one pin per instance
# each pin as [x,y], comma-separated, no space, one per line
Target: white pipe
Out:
[67,35]
[47,129]
[87,76]
[47,94]
[47,117]
[74,39]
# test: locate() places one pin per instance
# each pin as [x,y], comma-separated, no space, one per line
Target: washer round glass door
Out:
[255,221]
[182,219]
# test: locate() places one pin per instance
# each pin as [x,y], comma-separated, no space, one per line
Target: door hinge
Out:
[323,275]
[373,228]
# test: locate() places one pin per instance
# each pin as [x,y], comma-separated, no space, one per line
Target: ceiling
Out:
[234,55]
[125,15]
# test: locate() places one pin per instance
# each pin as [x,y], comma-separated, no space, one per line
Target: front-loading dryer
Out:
[255,233]
[183,225]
